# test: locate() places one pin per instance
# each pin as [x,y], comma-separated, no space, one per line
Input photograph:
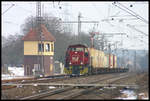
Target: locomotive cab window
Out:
[77,49]
[86,52]
[80,49]
[47,47]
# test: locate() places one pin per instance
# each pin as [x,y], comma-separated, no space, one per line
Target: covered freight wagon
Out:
[110,60]
[99,59]
[96,58]
[114,61]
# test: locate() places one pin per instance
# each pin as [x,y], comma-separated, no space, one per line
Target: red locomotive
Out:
[77,55]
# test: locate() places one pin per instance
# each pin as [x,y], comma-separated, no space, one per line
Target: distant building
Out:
[34,49]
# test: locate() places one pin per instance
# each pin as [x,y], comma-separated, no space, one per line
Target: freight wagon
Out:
[81,60]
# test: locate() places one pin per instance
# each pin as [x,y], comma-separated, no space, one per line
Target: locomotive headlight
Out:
[81,63]
[70,63]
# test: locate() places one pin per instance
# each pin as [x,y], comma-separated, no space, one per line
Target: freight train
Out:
[81,60]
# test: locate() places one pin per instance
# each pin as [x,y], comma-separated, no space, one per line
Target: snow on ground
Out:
[51,87]
[130,94]
[15,72]
[143,96]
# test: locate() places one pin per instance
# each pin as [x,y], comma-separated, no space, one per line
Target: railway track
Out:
[29,79]
[8,84]
[74,90]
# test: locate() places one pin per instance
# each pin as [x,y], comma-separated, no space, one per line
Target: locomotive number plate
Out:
[75,59]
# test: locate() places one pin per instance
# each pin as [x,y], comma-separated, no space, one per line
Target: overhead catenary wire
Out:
[119,19]
[133,13]
[128,25]
[136,40]
[8,9]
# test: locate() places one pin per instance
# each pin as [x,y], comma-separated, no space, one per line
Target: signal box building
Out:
[33,50]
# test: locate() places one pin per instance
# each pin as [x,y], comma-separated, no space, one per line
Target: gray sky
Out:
[91,11]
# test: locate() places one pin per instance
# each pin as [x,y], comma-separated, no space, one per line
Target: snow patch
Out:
[19,86]
[41,75]
[15,72]
[35,85]
[127,94]
[23,81]
[101,89]
[51,87]
[33,92]
[143,96]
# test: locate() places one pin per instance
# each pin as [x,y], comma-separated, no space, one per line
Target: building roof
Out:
[33,35]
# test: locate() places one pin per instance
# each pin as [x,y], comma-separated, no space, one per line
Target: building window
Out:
[47,47]
[41,47]
[52,48]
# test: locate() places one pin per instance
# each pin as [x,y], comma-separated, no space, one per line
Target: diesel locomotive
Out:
[80,60]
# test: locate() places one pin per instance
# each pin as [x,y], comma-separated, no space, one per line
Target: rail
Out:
[72,87]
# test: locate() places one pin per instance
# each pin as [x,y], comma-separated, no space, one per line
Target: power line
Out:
[120,19]
[137,39]
[134,13]
[128,25]
[8,9]
[81,22]
[129,11]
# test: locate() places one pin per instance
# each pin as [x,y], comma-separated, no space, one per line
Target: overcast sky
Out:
[105,12]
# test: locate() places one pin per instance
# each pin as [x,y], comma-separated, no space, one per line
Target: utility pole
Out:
[102,43]
[79,23]
[109,35]
[92,39]
[116,46]
[66,15]
[123,58]
[40,42]
[135,61]
[109,54]
[109,47]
